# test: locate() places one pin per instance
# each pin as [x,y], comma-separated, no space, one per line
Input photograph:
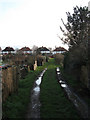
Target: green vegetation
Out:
[59,58]
[76,60]
[16,104]
[53,99]
[76,36]
[73,82]
[77,86]
[54,102]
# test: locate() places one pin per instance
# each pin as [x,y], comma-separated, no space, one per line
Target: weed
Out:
[16,104]
[54,103]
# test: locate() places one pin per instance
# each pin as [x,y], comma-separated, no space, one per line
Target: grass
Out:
[53,99]
[70,79]
[77,86]
[16,104]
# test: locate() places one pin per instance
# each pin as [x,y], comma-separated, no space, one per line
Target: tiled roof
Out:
[43,49]
[8,49]
[25,49]
[60,49]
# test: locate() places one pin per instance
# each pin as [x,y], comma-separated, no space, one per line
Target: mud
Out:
[80,105]
[34,105]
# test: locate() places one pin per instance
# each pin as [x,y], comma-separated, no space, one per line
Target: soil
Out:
[77,96]
[33,110]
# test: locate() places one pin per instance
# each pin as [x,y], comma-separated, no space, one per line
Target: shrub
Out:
[59,58]
[40,60]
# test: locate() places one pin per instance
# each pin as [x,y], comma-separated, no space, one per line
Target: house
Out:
[59,50]
[0,49]
[0,56]
[25,50]
[8,50]
[43,50]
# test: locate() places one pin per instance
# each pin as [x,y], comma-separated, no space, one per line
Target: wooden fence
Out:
[10,77]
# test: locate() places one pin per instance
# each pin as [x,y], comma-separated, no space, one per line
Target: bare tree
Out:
[34,48]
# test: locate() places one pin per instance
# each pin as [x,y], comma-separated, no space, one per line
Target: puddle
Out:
[64,85]
[58,73]
[38,82]
[37,89]
[34,106]
[58,69]
[61,82]
[79,103]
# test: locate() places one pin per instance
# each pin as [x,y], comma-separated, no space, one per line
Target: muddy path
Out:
[79,103]
[34,105]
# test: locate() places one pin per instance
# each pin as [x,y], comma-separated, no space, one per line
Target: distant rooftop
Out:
[25,49]
[0,48]
[43,49]
[8,49]
[60,49]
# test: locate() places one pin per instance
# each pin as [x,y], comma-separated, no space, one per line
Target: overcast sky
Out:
[33,22]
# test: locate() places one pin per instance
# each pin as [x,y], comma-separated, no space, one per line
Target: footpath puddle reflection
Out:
[62,82]
[37,89]
[64,85]
[77,101]
[38,81]
[34,107]
[58,69]
[58,73]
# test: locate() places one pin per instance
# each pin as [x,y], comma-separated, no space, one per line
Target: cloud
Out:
[29,22]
